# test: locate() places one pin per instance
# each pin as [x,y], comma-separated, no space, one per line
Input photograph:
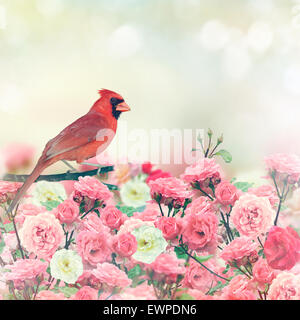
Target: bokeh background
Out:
[233,66]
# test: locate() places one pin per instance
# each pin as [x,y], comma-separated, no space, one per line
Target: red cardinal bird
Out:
[82,139]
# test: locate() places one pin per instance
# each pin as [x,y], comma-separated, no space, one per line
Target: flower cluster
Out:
[154,236]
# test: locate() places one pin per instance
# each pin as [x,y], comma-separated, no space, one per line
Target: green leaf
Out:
[185,296]
[50,205]
[219,286]
[135,272]
[67,291]
[130,210]
[244,186]
[203,258]
[2,245]
[227,157]
[7,227]
[227,269]
[180,253]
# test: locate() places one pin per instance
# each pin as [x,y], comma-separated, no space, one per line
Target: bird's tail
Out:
[41,165]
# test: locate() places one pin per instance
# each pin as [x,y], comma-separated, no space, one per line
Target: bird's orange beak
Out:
[123,107]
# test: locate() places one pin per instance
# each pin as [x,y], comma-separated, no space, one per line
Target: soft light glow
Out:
[213,35]
[125,41]
[10,99]
[259,36]
[50,7]
[291,79]
[2,17]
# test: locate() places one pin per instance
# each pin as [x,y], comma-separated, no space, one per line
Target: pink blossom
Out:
[42,234]
[170,191]
[93,247]
[252,215]
[157,174]
[286,286]
[67,211]
[18,155]
[133,223]
[150,213]
[171,227]
[240,251]
[262,272]
[124,244]
[167,264]
[49,295]
[88,279]
[111,275]
[92,188]
[28,269]
[267,191]
[8,190]
[203,172]
[226,193]
[285,165]
[200,230]
[28,209]
[141,292]
[93,223]
[112,217]
[201,204]
[239,288]
[86,293]
[196,277]
[282,248]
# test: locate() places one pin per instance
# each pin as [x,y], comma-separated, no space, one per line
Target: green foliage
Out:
[135,272]
[227,157]
[130,210]
[2,245]
[180,253]
[50,205]
[217,287]
[8,227]
[185,296]
[67,291]
[203,258]
[244,186]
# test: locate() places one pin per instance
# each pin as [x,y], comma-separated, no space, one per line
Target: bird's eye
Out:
[115,101]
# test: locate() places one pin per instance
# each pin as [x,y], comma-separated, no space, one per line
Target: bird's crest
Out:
[105,92]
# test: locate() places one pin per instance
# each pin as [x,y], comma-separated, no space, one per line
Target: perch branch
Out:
[63,176]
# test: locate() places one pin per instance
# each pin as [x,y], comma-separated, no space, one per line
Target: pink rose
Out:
[170,191]
[267,191]
[171,227]
[93,223]
[92,188]
[286,286]
[111,275]
[8,190]
[203,172]
[18,155]
[226,193]
[112,217]
[282,248]
[88,279]
[252,215]
[167,264]
[86,293]
[262,272]
[49,295]
[28,269]
[201,204]
[124,244]
[42,234]
[67,212]
[200,230]
[149,214]
[93,247]
[286,165]
[28,209]
[240,251]
[196,277]
[239,288]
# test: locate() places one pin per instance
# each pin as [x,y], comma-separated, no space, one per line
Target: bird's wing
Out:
[86,129]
